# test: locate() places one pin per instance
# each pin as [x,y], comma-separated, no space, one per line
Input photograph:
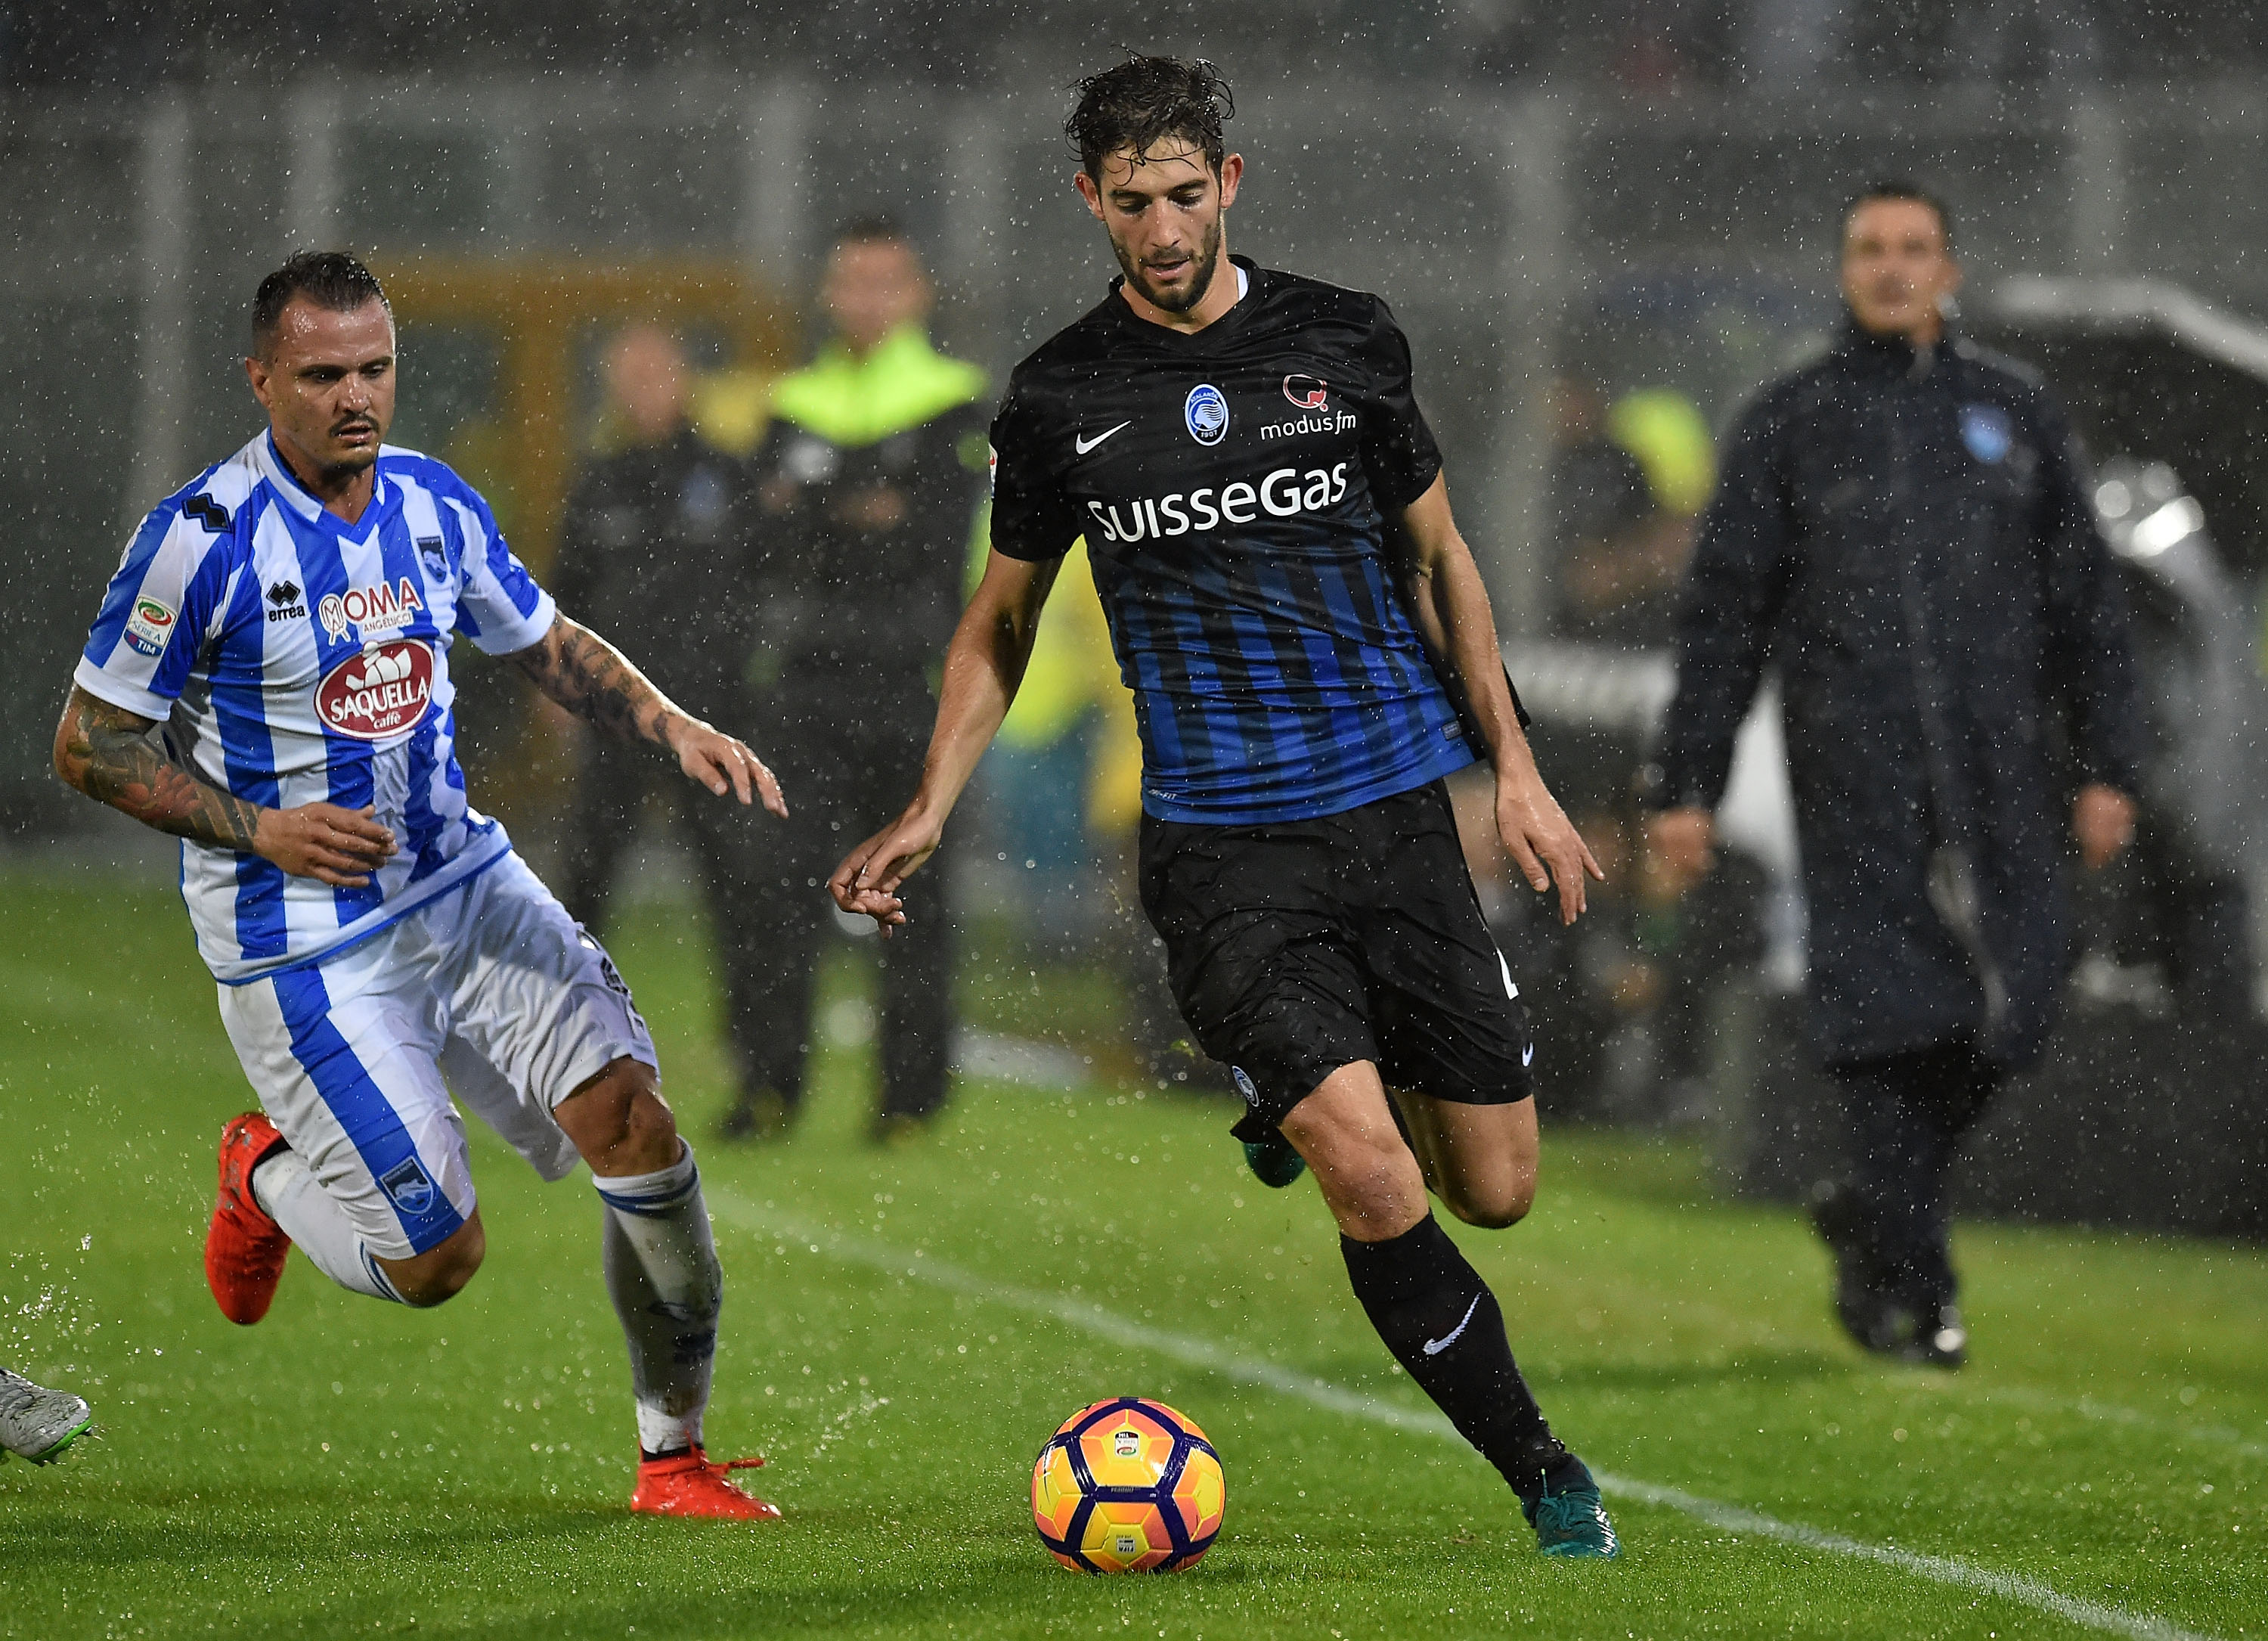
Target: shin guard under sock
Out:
[287,1188]
[667,1289]
[1442,1324]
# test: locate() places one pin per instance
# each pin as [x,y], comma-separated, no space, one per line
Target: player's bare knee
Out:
[1496,1207]
[620,1123]
[1374,1190]
[439,1273]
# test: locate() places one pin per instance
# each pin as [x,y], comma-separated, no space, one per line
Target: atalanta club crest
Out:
[383,692]
[1206,412]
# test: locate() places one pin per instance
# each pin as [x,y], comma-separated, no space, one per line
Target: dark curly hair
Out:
[1144,100]
[329,279]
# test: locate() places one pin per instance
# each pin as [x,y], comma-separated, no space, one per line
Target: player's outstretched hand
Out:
[723,764]
[335,846]
[866,883]
[1544,844]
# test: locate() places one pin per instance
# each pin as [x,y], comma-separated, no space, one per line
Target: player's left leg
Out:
[1433,1310]
[548,1049]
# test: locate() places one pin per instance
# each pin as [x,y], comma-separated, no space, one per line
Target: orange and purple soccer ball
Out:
[1128,1486]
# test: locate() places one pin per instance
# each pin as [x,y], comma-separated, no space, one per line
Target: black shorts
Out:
[1298,947]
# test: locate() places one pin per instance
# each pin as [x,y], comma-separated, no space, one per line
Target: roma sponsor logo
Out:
[150,625]
[374,610]
[381,693]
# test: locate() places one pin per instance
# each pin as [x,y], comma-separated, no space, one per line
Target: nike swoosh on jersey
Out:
[1434,1347]
[1085,445]
[1527,1055]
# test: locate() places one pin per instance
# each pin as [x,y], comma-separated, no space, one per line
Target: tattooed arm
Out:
[110,754]
[592,679]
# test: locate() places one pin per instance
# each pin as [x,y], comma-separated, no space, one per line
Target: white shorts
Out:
[491,992]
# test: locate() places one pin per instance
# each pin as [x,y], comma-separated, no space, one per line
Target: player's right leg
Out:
[357,1155]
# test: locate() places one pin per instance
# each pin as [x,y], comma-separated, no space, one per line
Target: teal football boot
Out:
[1570,1519]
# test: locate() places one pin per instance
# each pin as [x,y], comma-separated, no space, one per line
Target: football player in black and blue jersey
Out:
[1311,653]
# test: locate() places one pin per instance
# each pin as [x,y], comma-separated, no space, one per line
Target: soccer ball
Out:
[1128,1486]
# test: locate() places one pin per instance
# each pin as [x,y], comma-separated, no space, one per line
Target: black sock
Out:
[1418,1291]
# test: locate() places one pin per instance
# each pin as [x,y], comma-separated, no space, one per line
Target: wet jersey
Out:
[1234,488]
[294,658]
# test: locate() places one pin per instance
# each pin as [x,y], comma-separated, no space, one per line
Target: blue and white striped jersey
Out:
[294,658]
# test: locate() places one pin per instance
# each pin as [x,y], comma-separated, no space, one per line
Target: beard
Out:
[1201,267]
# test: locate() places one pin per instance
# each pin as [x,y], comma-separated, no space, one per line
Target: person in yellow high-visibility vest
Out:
[868,477]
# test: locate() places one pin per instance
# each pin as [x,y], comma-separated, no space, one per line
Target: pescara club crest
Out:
[1206,412]
[409,1186]
[1987,431]
[1309,393]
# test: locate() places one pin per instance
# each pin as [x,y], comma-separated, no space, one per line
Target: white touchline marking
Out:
[1212,1356]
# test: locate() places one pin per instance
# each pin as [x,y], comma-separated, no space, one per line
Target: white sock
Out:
[295,1198]
[663,1276]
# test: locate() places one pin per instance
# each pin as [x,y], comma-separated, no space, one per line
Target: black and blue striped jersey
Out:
[1236,488]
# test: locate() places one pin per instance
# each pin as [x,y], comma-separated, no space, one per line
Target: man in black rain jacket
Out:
[1904,530]
[867,487]
[649,548]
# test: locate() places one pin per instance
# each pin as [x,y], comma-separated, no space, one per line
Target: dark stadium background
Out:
[1645,193]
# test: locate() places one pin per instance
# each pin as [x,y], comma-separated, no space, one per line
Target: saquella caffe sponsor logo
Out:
[382,692]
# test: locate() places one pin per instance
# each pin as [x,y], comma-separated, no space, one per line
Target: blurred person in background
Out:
[1623,1001]
[1904,529]
[867,486]
[649,550]
[1627,483]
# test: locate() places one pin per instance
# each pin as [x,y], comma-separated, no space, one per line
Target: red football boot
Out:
[244,1247]
[687,1485]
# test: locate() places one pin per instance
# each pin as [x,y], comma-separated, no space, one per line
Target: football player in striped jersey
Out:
[267,680]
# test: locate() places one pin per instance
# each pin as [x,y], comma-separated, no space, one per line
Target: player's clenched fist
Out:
[866,883]
[336,846]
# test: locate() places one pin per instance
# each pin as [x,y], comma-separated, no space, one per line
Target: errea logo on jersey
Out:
[377,610]
[1284,494]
